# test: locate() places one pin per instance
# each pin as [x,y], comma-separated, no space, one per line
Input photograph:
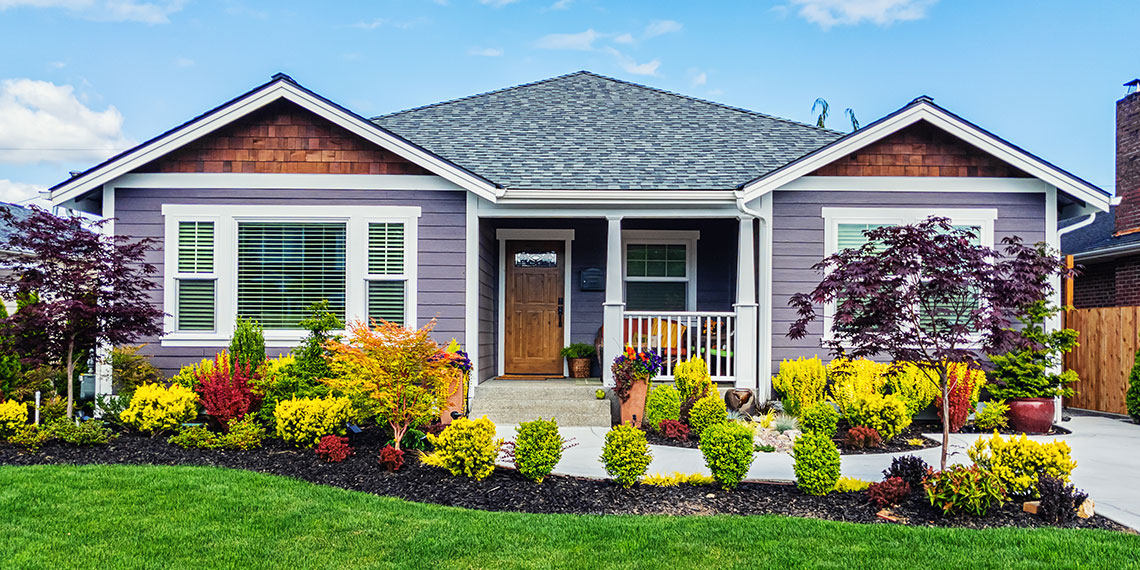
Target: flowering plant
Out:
[631,366]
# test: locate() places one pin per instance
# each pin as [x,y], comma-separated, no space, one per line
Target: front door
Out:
[534,298]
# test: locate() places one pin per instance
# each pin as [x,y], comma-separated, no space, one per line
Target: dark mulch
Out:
[655,438]
[936,427]
[505,490]
[895,445]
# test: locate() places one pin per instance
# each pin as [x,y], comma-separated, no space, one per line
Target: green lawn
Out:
[196,517]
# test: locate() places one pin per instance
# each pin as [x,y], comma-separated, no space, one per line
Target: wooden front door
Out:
[533,299]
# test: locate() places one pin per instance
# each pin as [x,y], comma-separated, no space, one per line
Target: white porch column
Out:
[471,284]
[614,306]
[746,346]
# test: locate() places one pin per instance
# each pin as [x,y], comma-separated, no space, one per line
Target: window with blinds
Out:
[283,267]
[850,236]
[657,277]
[386,279]
[196,290]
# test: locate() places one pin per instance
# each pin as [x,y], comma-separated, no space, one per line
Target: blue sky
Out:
[99,75]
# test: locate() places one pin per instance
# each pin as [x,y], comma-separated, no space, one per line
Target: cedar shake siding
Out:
[283,138]
[798,243]
[442,232]
[920,150]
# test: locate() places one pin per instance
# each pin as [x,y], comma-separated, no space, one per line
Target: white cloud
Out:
[57,65]
[157,12]
[661,27]
[700,78]
[184,62]
[497,3]
[15,192]
[376,23]
[561,5]
[624,39]
[41,121]
[485,52]
[631,66]
[384,22]
[582,41]
[830,13]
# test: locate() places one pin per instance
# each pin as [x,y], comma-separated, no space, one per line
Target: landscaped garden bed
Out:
[911,439]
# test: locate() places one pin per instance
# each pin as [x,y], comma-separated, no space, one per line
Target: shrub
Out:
[391,458]
[335,448]
[708,411]
[155,408]
[801,382]
[914,385]
[416,440]
[1059,502]
[853,380]
[909,468]
[727,449]
[1132,398]
[992,416]
[467,447]
[820,418]
[626,454]
[674,430]
[13,416]
[277,381]
[53,408]
[851,485]
[537,448]
[195,437]
[247,346]
[885,414]
[227,393]
[83,433]
[244,434]
[964,385]
[304,421]
[816,463]
[191,374]
[692,379]
[677,479]
[861,437]
[577,350]
[968,490]
[129,369]
[890,491]
[663,403]
[29,437]
[1019,462]
[113,405]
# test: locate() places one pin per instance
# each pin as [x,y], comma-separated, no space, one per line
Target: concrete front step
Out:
[510,402]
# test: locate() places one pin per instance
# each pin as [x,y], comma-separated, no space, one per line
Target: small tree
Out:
[87,288]
[926,294]
[404,371]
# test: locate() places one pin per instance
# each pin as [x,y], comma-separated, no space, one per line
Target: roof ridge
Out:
[483,94]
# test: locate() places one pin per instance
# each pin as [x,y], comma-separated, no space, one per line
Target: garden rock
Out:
[781,441]
[1087,509]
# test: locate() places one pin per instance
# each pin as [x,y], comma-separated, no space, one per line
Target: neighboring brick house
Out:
[1107,247]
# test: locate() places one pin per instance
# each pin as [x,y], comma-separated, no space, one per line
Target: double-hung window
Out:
[195,282]
[387,282]
[660,270]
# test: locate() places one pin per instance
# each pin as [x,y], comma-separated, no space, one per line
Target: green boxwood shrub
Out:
[538,448]
[626,454]
[708,411]
[886,414]
[817,463]
[1132,398]
[727,448]
[664,403]
[821,418]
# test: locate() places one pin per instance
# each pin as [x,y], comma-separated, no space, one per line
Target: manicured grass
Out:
[196,517]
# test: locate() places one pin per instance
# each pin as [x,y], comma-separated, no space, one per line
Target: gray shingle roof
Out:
[585,131]
[1096,236]
[6,230]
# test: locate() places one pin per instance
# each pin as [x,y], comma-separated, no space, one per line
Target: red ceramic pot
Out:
[633,409]
[1031,415]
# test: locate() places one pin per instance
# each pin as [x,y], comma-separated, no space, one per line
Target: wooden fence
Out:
[1108,343]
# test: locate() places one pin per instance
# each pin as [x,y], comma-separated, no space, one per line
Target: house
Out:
[524,219]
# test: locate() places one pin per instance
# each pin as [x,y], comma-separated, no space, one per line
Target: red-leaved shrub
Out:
[226,392]
[675,430]
[860,437]
[334,448]
[888,492]
[960,391]
[391,458]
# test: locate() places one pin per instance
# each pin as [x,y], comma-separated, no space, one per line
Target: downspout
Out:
[1088,220]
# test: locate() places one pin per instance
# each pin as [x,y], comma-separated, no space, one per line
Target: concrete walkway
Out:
[1107,452]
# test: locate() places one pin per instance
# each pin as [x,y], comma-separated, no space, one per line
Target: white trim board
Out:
[916,184]
[503,235]
[241,180]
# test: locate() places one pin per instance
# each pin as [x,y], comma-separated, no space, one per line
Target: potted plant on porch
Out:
[633,371]
[578,356]
[1024,377]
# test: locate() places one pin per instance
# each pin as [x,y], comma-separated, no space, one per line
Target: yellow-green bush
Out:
[663,403]
[13,416]
[537,448]
[727,449]
[708,411]
[913,385]
[626,454]
[190,375]
[852,380]
[816,463]
[304,421]
[887,414]
[801,383]
[851,485]
[466,447]
[820,417]
[155,408]
[692,378]
[1018,461]
[677,479]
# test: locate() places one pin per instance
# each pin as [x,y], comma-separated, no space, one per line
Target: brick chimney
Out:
[1128,160]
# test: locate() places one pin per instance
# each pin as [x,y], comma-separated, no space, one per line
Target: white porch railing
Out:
[679,336]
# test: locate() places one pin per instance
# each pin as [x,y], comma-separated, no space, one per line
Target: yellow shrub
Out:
[190,374]
[13,416]
[852,380]
[677,479]
[467,447]
[801,382]
[304,421]
[1018,461]
[851,485]
[977,379]
[692,378]
[912,384]
[886,414]
[155,408]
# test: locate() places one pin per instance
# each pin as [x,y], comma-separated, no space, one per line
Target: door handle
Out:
[560,312]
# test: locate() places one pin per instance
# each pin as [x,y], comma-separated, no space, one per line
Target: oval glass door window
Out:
[543,258]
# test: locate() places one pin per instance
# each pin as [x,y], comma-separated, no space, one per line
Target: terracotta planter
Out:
[456,398]
[1031,415]
[633,409]
[579,367]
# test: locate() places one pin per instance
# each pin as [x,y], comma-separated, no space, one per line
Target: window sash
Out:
[196,247]
[197,304]
[387,301]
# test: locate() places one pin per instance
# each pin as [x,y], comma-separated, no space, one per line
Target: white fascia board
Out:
[1108,252]
[232,180]
[916,184]
[923,111]
[270,93]
[616,196]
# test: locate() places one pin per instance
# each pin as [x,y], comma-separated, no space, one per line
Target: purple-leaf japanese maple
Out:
[928,294]
[86,288]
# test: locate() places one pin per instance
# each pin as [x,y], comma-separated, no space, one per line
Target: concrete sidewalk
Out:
[1107,452]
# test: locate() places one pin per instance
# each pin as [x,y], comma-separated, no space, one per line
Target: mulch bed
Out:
[927,426]
[897,444]
[505,490]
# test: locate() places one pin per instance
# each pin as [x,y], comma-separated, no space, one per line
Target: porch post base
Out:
[611,339]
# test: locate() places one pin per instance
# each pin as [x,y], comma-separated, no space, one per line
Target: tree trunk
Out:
[398,432]
[70,379]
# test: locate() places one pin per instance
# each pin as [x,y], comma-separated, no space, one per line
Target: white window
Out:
[270,263]
[660,270]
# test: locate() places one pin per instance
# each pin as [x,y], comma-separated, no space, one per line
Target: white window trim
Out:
[171,285]
[688,238]
[984,218]
[226,219]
